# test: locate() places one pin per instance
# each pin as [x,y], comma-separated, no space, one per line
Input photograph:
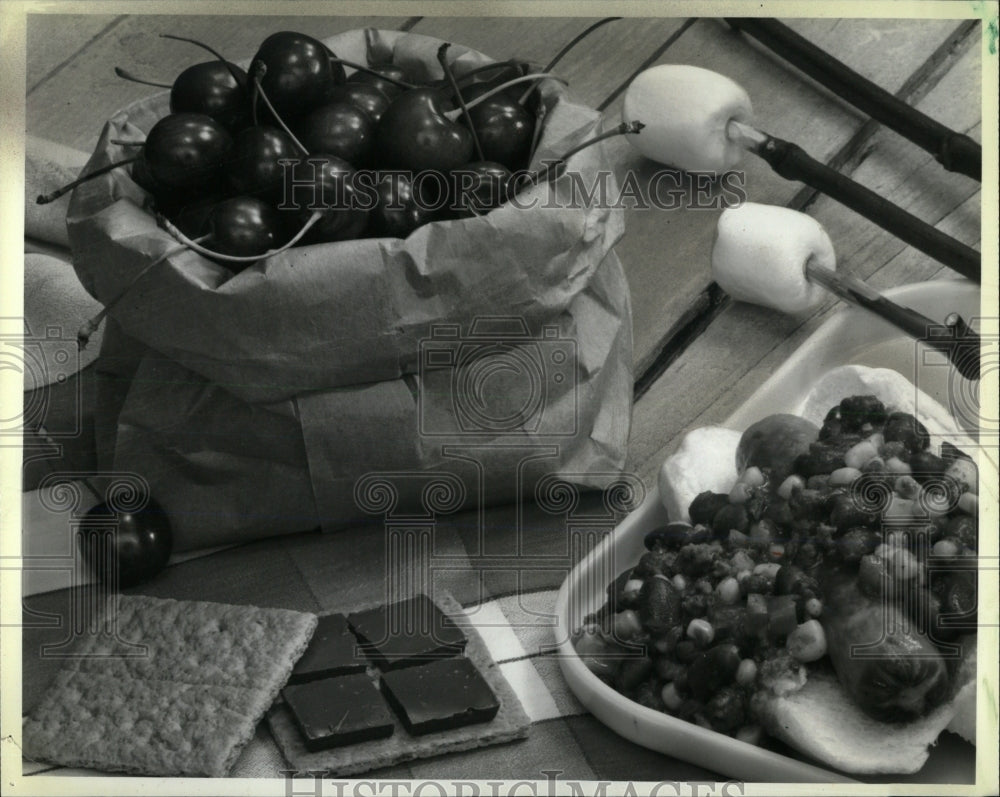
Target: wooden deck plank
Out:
[884,51]
[50,46]
[591,73]
[72,106]
[715,375]
[666,253]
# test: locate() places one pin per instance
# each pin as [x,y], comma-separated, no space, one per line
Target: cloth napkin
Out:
[55,303]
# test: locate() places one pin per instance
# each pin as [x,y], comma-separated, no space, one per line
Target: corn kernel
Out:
[701,632]
[807,642]
[746,673]
[844,476]
[859,455]
[671,698]
[728,590]
[790,485]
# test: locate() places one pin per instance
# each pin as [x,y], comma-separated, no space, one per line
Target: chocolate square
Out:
[333,712]
[332,651]
[445,694]
[406,633]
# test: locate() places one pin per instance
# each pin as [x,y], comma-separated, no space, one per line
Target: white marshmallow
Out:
[760,255]
[705,460]
[685,110]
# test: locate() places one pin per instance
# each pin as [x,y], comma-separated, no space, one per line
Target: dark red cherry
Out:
[415,134]
[297,71]
[364,95]
[504,127]
[243,226]
[479,187]
[123,548]
[186,150]
[190,218]
[255,167]
[338,128]
[327,184]
[399,210]
[387,87]
[211,88]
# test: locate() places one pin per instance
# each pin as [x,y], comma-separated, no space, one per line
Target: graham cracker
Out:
[167,688]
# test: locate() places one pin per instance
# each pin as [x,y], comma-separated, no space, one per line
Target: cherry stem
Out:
[559,56]
[625,128]
[442,56]
[195,246]
[260,92]
[44,199]
[90,327]
[395,81]
[121,142]
[129,76]
[536,78]
[216,53]
[512,63]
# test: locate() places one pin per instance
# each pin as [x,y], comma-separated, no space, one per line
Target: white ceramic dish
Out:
[851,336]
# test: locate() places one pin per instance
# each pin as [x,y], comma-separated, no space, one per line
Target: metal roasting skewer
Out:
[793,163]
[954,338]
[955,151]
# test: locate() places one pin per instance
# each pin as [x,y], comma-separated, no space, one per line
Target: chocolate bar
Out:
[439,696]
[406,633]
[332,651]
[338,711]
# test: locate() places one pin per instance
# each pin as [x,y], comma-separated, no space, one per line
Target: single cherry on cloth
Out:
[297,71]
[399,209]
[186,150]
[255,167]
[338,128]
[415,134]
[125,547]
[243,226]
[214,88]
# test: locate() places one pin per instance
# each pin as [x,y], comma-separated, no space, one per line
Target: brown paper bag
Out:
[486,351]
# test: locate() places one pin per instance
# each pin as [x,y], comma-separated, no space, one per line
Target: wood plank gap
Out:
[409,24]
[646,64]
[923,79]
[62,64]
[710,302]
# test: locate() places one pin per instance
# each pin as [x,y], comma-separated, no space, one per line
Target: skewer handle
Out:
[794,163]
[955,151]
[954,338]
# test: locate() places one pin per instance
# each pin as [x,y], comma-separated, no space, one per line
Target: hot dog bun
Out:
[820,719]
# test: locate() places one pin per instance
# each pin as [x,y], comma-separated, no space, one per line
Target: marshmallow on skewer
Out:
[686,111]
[761,252]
